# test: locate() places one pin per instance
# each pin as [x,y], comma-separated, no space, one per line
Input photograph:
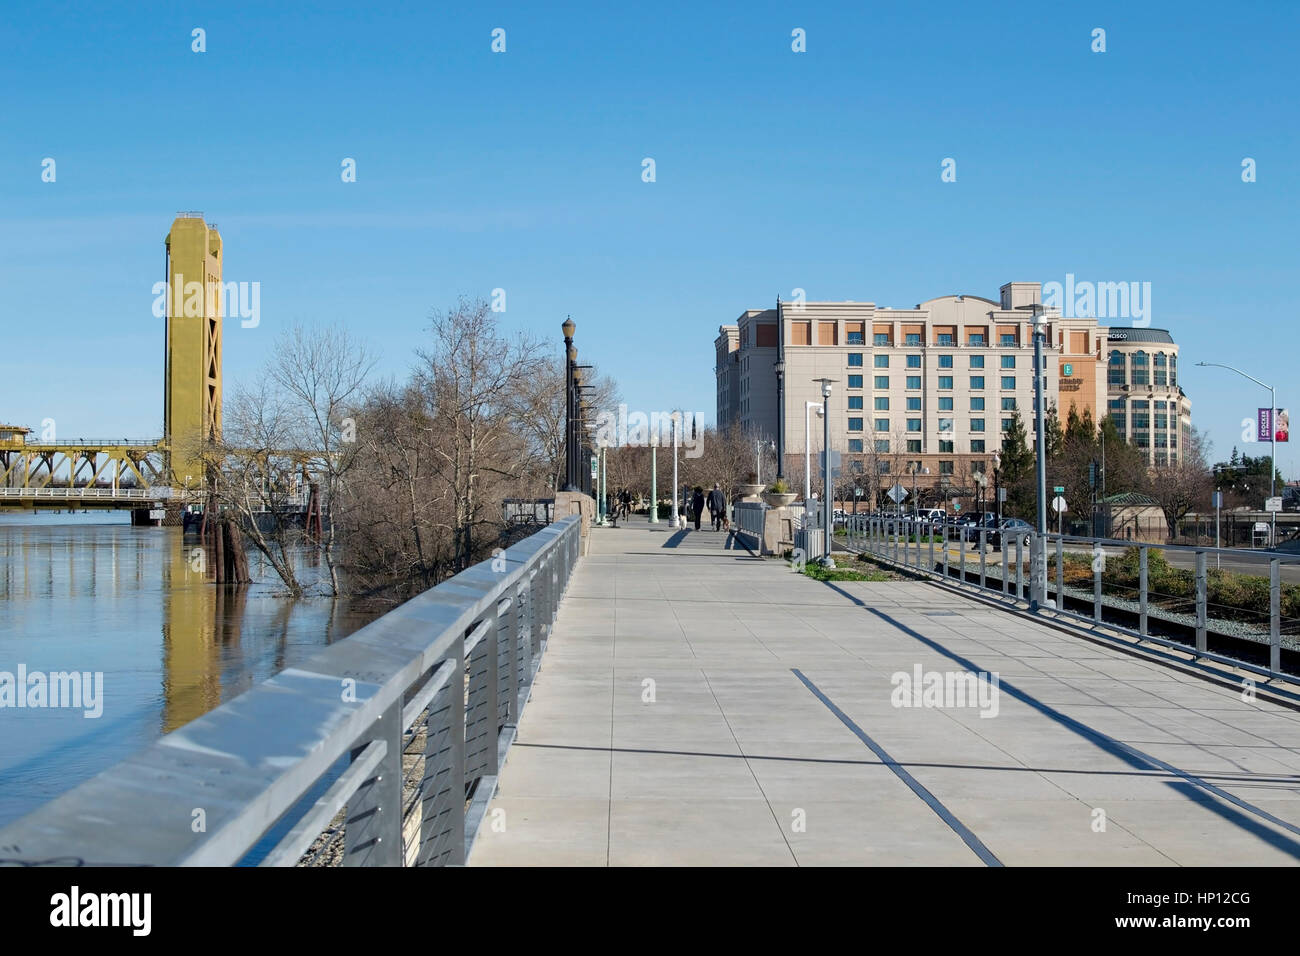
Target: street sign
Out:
[595,466]
[897,493]
[1058,504]
[1002,495]
[956,505]
[1218,499]
[157,514]
[1272,504]
[1059,489]
[857,492]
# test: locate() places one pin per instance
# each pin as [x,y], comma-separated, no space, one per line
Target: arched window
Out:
[1141,371]
[1162,375]
[1173,370]
[1116,373]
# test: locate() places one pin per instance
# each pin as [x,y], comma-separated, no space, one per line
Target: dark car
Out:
[1011,529]
[967,526]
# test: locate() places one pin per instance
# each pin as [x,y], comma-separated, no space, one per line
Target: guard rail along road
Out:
[402,726]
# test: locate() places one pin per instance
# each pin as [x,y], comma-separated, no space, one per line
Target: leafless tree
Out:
[1186,484]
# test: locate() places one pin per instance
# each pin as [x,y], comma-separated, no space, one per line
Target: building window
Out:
[945,403]
[912,338]
[1115,370]
[1162,369]
[882,381]
[855,401]
[1117,415]
[977,424]
[880,361]
[913,381]
[943,338]
[855,381]
[977,361]
[1008,383]
[882,403]
[977,381]
[914,361]
[855,446]
[1141,373]
[1173,380]
[945,381]
[977,445]
[914,446]
[856,338]
[945,446]
[1007,423]
[945,468]
[945,361]
[1008,404]
[1141,416]
[881,338]
[882,424]
[976,339]
[1008,361]
[976,404]
[914,424]
[855,424]
[882,447]
[914,404]
[1007,340]
[945,424]
[855,360]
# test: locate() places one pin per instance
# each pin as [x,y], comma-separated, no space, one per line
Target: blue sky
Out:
[522,170]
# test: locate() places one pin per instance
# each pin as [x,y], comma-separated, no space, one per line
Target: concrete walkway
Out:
[698,706]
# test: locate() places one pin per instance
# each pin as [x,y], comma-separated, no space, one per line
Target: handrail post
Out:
[1020,567]
[1096,588]
[930,534]
[1202,588]
[373,819]
[1006,568]
[1275,615]
[1060,572]
[442,804]
[1142,590]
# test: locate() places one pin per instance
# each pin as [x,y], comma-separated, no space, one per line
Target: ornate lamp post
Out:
[570,407]
[780,418]
[826,561]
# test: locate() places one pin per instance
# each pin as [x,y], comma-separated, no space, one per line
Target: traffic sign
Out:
[1059,489]
[897,493]
[1272,504]
[1058,504]
[857,492]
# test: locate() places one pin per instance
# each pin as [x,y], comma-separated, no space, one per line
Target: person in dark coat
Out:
[697,505]
[717,506]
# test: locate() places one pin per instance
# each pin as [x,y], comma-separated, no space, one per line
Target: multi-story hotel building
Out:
[1143,396]
[927,391]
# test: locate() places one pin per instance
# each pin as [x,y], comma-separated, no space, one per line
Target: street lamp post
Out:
[1039,566]
[780,417]
[826,560]
[676,424]
[570,407]
[1272,436]
[807,447]
[997,487]
[654,479]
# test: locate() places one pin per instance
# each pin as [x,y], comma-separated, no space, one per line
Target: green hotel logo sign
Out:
[1069,369]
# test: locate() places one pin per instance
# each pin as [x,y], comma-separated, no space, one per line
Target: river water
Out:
[90,593]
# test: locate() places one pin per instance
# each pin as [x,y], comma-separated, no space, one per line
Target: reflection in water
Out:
[91,593]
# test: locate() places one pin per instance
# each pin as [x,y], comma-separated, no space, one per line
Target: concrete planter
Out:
[749,491]
[775,500]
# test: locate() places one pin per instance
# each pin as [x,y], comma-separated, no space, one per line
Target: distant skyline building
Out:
[930,391]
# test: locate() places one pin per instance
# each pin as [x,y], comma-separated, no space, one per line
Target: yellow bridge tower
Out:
[192,383]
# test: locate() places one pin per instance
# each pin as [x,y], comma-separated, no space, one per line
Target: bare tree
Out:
[1184,485]
[322,371]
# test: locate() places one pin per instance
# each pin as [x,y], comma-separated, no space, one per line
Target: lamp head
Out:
[568,328]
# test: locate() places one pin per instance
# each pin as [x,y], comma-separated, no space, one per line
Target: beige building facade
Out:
[1143,396]
[924,393]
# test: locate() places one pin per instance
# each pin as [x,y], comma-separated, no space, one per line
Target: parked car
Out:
[1010,530]
[966,527]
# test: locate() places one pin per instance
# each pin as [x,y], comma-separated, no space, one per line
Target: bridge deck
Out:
[772,706]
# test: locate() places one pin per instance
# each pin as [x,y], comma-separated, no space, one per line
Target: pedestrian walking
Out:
[697,505]
[717,506]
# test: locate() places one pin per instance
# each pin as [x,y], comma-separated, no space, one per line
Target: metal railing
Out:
[401,728]
[133,494]
[1175,596]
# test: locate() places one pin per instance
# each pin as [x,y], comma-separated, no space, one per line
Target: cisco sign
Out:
[1118,336]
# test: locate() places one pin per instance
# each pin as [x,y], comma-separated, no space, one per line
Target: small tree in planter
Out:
[778,494]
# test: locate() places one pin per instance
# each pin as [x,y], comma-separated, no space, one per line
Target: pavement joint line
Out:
[1130,755]
[934,803]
